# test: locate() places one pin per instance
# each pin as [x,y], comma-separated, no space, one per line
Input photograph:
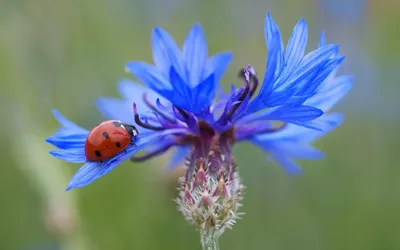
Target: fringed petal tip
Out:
[86,175]
[290,167]
[67,127]
[74,155]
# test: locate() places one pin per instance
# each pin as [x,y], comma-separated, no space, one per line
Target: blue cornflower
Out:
[182,106]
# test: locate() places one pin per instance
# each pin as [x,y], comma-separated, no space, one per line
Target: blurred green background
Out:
[64,54]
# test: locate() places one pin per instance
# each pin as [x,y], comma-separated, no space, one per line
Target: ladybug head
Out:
[131,130]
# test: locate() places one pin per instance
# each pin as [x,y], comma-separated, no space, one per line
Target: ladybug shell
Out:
[106,140]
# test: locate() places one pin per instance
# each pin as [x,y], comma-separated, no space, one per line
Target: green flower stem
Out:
[209,240]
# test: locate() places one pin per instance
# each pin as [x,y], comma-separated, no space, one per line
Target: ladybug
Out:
[108,139]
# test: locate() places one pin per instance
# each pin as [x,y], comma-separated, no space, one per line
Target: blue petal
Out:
[322,40]
[272,32]
[85,175]
[204,93]
[332,82]
[261,101]
[289,165]
[325,123]
[94,170]
[271,69]
[284,151]
[178,156]
[315,57]
[295,84]
[278,156]
[165,52]
[296,47]
[62,120]
[305,85]
[329,66]
[297,150]
[195,54]
[68,126]
[290,113]
[308,68]
[217,65]
[74,155]
[149,75]
[181,94]
[299,114]
[68,141]
[327,99]
[292,143]
[116,109]
[278,98]
[134,92]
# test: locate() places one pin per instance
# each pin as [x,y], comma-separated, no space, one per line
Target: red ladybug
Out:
[108,139]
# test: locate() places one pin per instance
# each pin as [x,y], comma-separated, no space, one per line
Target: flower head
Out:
[182,106]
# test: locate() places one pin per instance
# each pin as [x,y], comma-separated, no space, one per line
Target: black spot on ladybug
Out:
[117,124]
[105,134]
[118,144]
[97,153]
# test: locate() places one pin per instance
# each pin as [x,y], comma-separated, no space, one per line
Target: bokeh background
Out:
[64,54]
